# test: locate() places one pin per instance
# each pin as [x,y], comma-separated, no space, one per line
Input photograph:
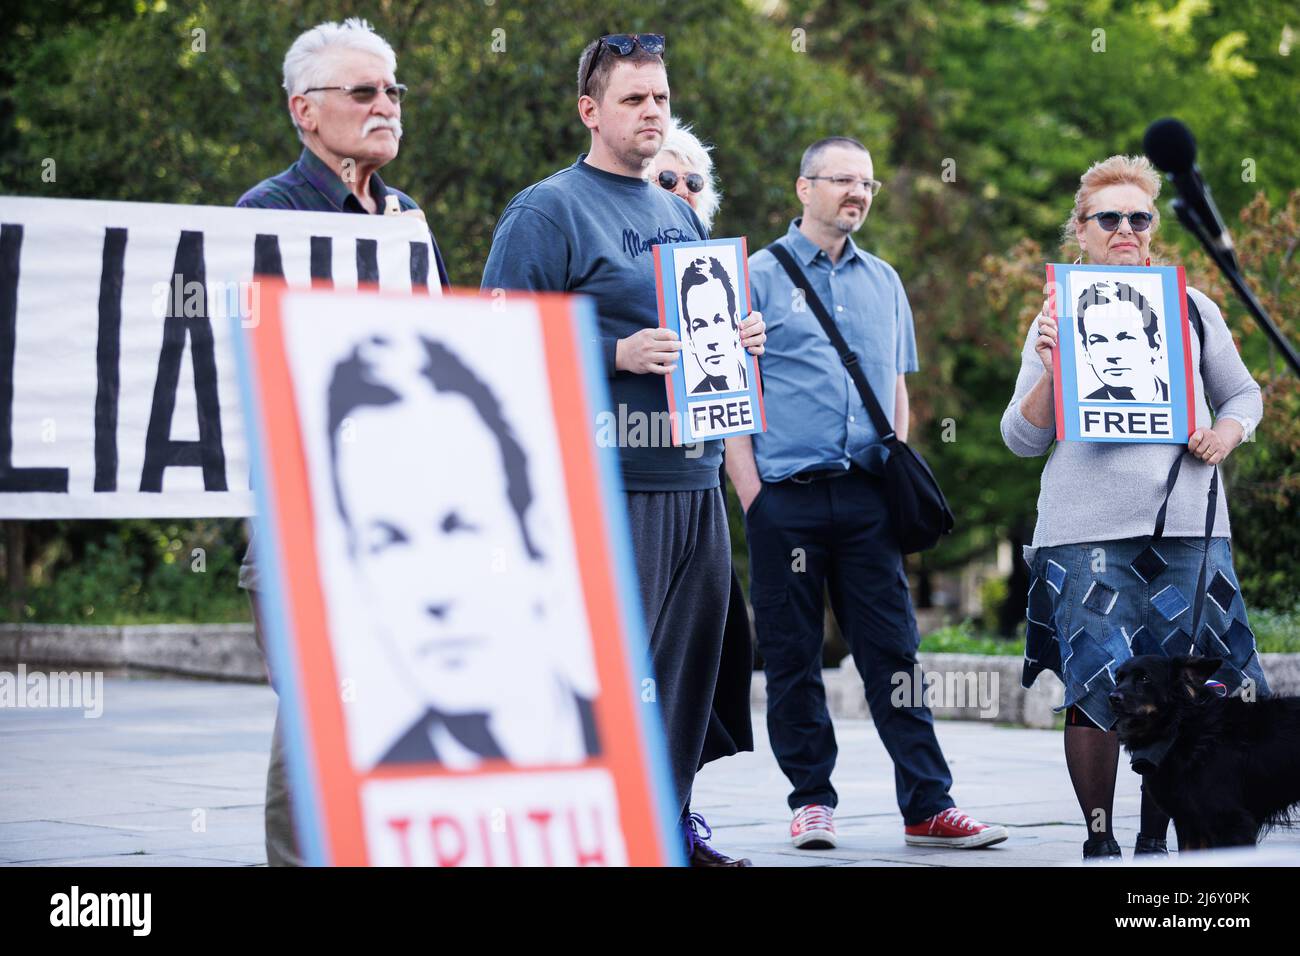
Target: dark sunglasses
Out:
[366,92]
[1140,221]
[668,180]
[621,44]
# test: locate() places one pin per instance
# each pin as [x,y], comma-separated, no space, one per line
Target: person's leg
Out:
[1092,758]
[1154,821]
[784,527]
[683,556]
[871,601]
[281,838]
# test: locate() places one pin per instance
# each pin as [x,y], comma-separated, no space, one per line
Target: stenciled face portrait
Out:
[714,360]
[433,487]
[1122,345]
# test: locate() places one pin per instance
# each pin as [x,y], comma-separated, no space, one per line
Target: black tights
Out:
[1092,757]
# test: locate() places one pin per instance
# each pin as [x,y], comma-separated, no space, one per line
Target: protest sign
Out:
[1123,366]
[703,290]
[451,602]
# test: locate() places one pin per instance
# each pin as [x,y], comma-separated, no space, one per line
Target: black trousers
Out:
[834,535]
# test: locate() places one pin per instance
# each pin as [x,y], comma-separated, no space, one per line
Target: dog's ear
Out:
[1197,670]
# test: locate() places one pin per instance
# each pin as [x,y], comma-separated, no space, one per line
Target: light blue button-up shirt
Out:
[815,417]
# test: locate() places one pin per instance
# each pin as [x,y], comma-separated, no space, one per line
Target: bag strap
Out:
[1210,510]
[850,359]
[1194,316]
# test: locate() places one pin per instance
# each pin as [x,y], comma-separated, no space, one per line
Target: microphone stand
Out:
[1193,224]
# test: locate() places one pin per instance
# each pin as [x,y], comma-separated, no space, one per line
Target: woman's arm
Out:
[1029,423]
[1228,386]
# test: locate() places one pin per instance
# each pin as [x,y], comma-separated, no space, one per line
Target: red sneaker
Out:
[953,828]
[813,828]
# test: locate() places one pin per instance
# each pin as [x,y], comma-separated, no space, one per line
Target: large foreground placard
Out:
[450,598]
[118,392]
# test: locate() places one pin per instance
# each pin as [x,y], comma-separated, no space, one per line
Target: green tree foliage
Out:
[981,115]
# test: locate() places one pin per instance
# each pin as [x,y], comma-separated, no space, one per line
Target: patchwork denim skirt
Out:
[1094,605]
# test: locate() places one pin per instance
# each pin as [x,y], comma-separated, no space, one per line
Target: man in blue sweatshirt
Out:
[589,229]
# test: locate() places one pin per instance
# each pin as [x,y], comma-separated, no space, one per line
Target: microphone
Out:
[1172,148]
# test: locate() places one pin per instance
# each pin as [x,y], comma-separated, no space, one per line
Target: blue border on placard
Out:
[673,319]
[636,643]
[308,818]
[1175,349]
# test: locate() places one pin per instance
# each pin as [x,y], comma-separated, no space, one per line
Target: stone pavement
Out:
[172,774]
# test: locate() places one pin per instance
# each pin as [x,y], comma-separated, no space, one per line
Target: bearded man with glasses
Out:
[346,106]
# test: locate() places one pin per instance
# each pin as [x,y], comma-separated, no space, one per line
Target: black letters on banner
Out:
[160,451]
[266,256]
[108,353]
[322,262]
[419,266]
[11,478]
[368,260]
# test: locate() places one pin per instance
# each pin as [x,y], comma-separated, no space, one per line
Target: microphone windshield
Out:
[1170,146]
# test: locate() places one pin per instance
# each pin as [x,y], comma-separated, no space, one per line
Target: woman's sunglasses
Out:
[1140,221]
[668,180]
[366,92]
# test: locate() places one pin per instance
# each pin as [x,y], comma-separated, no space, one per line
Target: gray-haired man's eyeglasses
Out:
[366,92]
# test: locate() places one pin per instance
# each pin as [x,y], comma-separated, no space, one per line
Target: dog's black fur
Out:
[1225,769]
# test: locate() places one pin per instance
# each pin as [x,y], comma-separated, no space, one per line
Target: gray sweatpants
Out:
[683,558]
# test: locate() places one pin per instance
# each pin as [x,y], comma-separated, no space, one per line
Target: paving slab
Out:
[121,789]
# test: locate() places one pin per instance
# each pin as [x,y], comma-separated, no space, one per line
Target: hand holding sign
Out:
[753,333]
[650,350]
[1210,446]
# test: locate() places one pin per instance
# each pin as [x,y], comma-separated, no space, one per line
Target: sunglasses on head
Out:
[621,44]
[366,92]
[1139,221]
[668,180]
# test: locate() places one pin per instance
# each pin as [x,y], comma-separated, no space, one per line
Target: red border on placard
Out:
[1187,352]
[338,782]
[1058,390]
[749,307]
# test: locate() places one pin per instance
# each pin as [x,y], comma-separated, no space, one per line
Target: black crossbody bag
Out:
[917,507]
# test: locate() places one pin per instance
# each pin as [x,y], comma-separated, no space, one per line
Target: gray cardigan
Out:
[1095,491]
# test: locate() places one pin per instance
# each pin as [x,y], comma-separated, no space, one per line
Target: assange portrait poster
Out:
[118,391]
[703,290]
[450,590]
[1123,363]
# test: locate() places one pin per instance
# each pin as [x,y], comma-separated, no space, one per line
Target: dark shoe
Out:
[1099,848]
[699,853]
[1150,846]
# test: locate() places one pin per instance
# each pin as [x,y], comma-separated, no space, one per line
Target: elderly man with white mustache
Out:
[345,103]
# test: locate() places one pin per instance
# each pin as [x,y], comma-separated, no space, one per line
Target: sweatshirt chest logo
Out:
[634,243]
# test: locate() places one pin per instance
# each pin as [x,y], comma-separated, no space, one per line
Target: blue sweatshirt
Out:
[587,231]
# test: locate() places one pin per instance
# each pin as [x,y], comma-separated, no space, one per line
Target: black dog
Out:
[1225,769]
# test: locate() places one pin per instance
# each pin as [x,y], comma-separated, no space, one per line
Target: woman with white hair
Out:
[683,166]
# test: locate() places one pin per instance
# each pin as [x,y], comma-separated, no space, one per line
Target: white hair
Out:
[307,65]
[686,147]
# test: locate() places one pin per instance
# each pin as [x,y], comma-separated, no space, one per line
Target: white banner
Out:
[118,391]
